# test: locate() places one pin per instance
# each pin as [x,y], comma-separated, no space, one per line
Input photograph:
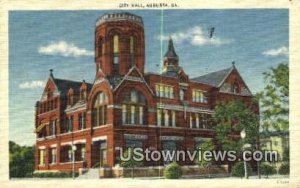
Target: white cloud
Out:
[32,84]
[64,49]
[196,36]
[282,51]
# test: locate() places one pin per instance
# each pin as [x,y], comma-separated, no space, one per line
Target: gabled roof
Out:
[215,78]
[64,85]
[140,78]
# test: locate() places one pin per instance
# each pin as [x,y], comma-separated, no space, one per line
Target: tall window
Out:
[181,94]
[164,91]
[166,117]
[99,113]
[197,120]
[116,49]
[173,119]
[191,120]
[201,121]
[132,50]
[101,49]
[159,114]
[199,96]
[52,127]
[83,151]
[81,121]
[53,155]
[69,124]
[42,157]
[70,154]
[133,108]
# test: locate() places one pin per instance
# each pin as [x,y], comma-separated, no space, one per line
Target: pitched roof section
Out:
[214,78]
[171,51]
[64,85]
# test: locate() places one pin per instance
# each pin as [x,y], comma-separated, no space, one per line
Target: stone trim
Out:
[136,136]
[182,108]
[172,138]
[95,139]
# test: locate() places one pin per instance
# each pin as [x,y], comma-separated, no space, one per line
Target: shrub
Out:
[238,170]
[266,169]
[172,171]
[284,169]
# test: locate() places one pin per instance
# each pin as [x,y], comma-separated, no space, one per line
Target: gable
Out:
[50,87]
[234,83]
[134,75]
[182,77]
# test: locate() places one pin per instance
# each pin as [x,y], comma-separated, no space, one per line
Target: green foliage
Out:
[275,98]
[55,174]
[208,145]
[234,116]
[286,155]
[239,171]
[21,160]
[173,171]
[266,169]
[131,163]
[284,169]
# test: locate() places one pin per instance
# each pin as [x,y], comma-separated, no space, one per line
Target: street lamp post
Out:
[243,136]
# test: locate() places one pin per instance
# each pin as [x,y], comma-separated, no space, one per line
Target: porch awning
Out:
[40,127]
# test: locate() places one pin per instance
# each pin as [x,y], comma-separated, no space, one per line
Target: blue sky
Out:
[255,39]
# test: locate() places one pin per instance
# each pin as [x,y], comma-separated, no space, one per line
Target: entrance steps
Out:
[92,173]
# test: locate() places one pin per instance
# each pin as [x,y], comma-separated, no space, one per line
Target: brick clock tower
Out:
[119,44]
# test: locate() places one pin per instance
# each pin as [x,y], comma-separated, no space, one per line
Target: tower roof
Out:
[171,51]
[120,16]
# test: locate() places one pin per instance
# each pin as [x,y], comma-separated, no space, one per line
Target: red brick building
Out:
[125,106]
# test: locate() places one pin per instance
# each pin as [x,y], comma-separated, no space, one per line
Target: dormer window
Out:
[70,97]
[83,95]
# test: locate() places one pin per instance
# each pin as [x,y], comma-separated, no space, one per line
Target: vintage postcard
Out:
[150,94]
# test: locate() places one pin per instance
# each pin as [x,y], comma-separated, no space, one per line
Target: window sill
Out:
[40,139]
[71,162]
[127,124]
[51,137]
[101,126]
[202,129]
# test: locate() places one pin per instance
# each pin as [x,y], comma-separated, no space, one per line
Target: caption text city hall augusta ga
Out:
[126,107]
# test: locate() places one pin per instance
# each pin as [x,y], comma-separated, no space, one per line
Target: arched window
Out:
[133,108]
[116,49]
[101,49]
[99,112]
[132,45]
